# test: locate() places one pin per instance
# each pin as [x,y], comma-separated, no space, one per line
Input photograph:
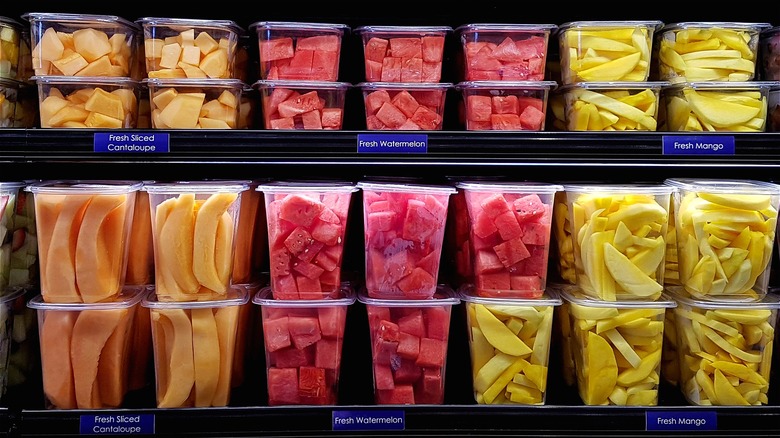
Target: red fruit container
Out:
[404,233]
[404,106]
[302,104]
[307,224]
[504,105]
[409,347]
[303,343]
[510,236]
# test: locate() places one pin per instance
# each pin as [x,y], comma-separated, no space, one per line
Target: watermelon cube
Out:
[391,69]
[432,353]
[289,358]
[412,324]
[400,395]
[388,331]
[408,346]
[438,322]
[383,377]
[276,333]
[313,50]
[328,354]
[375,49]
[432,48]
[283,386]
[275,49]
[405,102]
[311,384]
[406,372]
[406,105]
[332,320]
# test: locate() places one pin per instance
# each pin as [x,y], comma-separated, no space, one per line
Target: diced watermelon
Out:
[507,226]
[289,358]
[430,389]
[432,353]
[310,251]
[432,48]
[507,51]
[528,283]
[438,322]
[375,99]
[412,324]
[426,118]
[321,43]
[282,123]
[515,71]
[312,120]
[391,69]
[529,207]
[525,101]
[328,354]
[429,98]
[331,320]
[536,264]
[332,118]
[383,377]
[380,221]
[533,47]
[280,262]
[375,49]
[298,240]
[430,263]
[301,104]
[478,107]
[494,205]
[487,262]
[304,331]
[324,261]
[505,122]
[276,333]
[307,269]
[283,386]
[406,47]
[418,284]
[409,125]
[408,346]
[390,116]
[505,104]
[300,210]
[300,64]
[378,206]
[385,351]
[405,103]
[338,203]
[406,372]
[331,280]
[483,75]
[373,70]
[376,314]
[532,118]
[419,223]
[308,289]
[535,233]
[279,48]
[493,281]
[483,225]
[411,70]
[396,266]
[400,395]
[277,96]
[327,233]
[431,72]
[285,287]
[388,331]
[512,251]
[312,382]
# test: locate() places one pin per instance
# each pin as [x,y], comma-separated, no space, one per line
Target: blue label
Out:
[681,420]
[132,142]
[698,145]
[117,424]
[369,420]
[392,143]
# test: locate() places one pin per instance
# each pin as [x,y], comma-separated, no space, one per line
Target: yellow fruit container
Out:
[193,229]
[725,236]
[194,345]
[82,45]
[717,106]
[83,229]
[86,350]
[619,237]
[612,106]
[195,103]
[708,51]
[561,234]
[725,349]
[617,348]
[10,48]
[605,51]
[509,341]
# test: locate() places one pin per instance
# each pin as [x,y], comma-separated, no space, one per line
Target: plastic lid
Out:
[346,296]
[734,85]
[405,85]
[655,24]
[235,296]
[444,296]
[573,294]
[228,25]
[66,187]
[10,22]
[617,85]
[12,293]
[317,85]
[404,29]
[410,188]
[306,186]
[652,189]
[756,27]
[196,187]
[85,80]
[767,33]
[513,85]
[513,187]
[128,297]
[187,82]
[769,301]
[724,185]
[467,294]
[7,186]
[296,25]
[59,17]
[505,27]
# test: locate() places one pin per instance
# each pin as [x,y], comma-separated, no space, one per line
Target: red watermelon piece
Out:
[531,118]
[406,47]
[418,284]
[300,210]
[283,386]
[383,377]
[412,324]
[276,333]
[405,103]
[432,49]
[497,281]
[331,319]
[319,43]
[505,104]
[390,116]
[408,346]
[478,108]
[391,69]
[535,233]
[507,225]
[432,353]
[328,354]
[312,383]
[375,49]
[275,49]
[304,331]
[426,118]
[289,358]
[406,372]
[512,251]
[400,395]
[388,331]
[411,70]
[529,207]
[526,283]
[505,122]
[438,322]
[507,51]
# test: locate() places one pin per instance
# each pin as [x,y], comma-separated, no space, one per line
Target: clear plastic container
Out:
[86,350]
[510,236]
[307,223]
[302,104]
[505,105]
[194,229]
[606,51]
[404,233]
[403,53]
[769,53]
[10,48]
[247,337]
[23,263]
[9,96]
[409,347]
[509,341]
[561,234]
[725,236]
[83,229]
[190,48]
[612,106]
[87,102]
[299,51]
[708,51]
[195,103]
[194,345]
[24,363]
[504,52]
[13,248]
[82,44]
[303,342]
[404,106]
[619,237]
[617,348]
[773,109]
[725,349]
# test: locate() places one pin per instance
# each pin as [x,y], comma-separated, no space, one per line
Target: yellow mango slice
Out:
[206,358]
[99,248]
[726,394]
[740,201]
[647,365]
[719,113]
[628,275]
[602,370]
[491,371]
[523,394]
[207,221]
[90,334]
[481,349]
[613,70]
[227,325]
[498,334]
[623,347]
[503,379]
[179,361]
[537,374]
[57,370]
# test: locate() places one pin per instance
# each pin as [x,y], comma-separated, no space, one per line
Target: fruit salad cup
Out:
[404,233]
[94,103]
[725,236]
[504,105]
[404,106]
[409,347]
[299,51]
[86,350]
[195,103]
[769,52]
[194,229]
[708,51]
[307,222]
[194,346]
[10,42]
[302,104]
[617,348]
[82,45]
[509,341]
[83,229]
[725,349]
[612,106]
[303,342]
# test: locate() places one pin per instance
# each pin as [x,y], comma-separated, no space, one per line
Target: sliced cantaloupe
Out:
[47,210]
[245,236]
[243,328]
[179,359]
[60,270]
[95,250]
[113,364]
[90,334]
[223,251]
[162,347]
[227,321]
[103,102]
[163,263]
[57,372]
[215,64]
[207,223]
[205,348]
[140,251]
[176,238]
[140,350]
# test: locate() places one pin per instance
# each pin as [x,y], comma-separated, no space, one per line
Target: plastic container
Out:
[510,236]
[725,236]
[620,239]
[708,51]
[403,53]
[505,105]
[83,229]
[81,44]
[299,51]
[195,103]
[617,348]
[773,109]
[307,223]
[404,106]
[302,104]
[194,229]
[247,337]
[9,92]
[13,254]
[87,102]
[670,358]
[612,106]
[509,341]
[194,346]
[10,42]
[140,246]
[404,233]
[250,239]
[769,53]
[409,347]
[725,349]
[606,51]
[561,234]
[190,48]
[717,106]
[23,261]
[86,350]
[303,342]
[504,52]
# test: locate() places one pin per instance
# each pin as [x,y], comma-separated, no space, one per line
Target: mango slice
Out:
[498,334]
[205,262]
[206,358]
[57,371]
[602,370]
[91,331]
[179,358]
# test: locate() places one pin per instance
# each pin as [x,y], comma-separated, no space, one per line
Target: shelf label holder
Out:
[682,420]
[698,145]
[392,143]
[132,142]
[116,424]
[369,420]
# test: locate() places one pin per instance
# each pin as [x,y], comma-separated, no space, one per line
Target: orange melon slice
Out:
[97,251]
[59,268]
[90,334]
[176,238]
[205,348]
[207,222]
[180,360]
[57,372]
[113,364]
[227,320]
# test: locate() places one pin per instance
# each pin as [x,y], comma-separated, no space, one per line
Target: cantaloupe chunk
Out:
[228,98]
[140,349]
[205,347]
[190,55]
[59,269]
[70,64]
[99,67]
[162,98]
[179,361]
[97,120]
[114,361]
[153,48]
[140,252]
[91,43]
[69,113]
[227,321]
[50,106]
[207,123]
[128,99]
[57,371]
[170,55]
[215,64]
[215,110]
[90,334]
[103,102]
[80,96]
[50,47]
[206,234]
[206,43]
[176,239]
[182,112]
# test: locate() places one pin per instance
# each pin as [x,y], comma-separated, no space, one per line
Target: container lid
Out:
[196,187]
[404,29]
[651,189]
[512,85]
[724,186]
[769,301]
[467,294]
[316,85]
[617,85]
[228,25]
[297,25]
[235,296]
[128,297]
[187,82]
[756,27]
[655,24]
[345,296]
[7,186]
[66,187]
[58,17]
[12,293]
[85,80]
[507,186]
[5,21]
[412,86]
[573,295]
[505,27]
[733,85]
[378,186]
[444,296]
[766,33]
[306,186]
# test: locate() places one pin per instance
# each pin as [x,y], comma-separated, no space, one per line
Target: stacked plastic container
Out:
[299,72]
[18,102]
[769,55]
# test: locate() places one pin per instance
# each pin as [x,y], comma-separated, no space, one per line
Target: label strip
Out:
[116,424]
[698,145]
[369,420]
[132,142]
[392,143]
[681,420]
